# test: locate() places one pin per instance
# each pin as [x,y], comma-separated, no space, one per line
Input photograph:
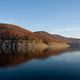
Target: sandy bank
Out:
[42,46]
[58,45]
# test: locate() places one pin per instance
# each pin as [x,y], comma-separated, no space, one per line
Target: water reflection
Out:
[11,57]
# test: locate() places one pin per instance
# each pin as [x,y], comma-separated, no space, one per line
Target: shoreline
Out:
[32,45]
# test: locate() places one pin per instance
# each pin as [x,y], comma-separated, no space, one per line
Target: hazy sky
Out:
[55,16]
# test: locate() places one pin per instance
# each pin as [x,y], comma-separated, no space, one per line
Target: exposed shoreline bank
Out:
[32,46]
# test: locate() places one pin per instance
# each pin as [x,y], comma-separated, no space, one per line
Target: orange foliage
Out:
[10,31]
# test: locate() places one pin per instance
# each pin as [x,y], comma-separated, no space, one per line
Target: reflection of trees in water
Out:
[15,57]
[9,57]
[12,58]
[75,45]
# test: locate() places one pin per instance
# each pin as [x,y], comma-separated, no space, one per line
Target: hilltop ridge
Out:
[14,32]
[10,31]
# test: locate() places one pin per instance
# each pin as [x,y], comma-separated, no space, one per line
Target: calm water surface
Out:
[45,65]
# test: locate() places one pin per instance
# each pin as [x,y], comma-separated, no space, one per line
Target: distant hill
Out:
[66,39]
[51,38]
[10,31]
[46,37]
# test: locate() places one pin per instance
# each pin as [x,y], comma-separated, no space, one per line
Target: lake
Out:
[34,65]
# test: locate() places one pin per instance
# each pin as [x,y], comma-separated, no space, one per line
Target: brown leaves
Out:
[13,31]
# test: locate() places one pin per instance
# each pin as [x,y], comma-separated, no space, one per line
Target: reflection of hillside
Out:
[14,58]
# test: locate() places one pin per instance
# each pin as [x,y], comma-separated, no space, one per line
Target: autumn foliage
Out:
[46,37]
[10,31]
